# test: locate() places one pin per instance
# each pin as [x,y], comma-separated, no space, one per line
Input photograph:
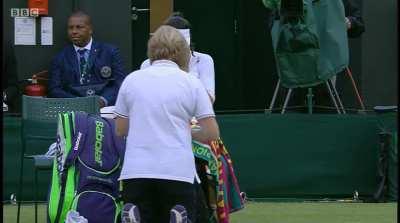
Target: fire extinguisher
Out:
[35,89]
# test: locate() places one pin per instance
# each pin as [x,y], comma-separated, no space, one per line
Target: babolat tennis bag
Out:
[86,169]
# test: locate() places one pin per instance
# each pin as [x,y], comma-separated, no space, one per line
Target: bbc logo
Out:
[24,12]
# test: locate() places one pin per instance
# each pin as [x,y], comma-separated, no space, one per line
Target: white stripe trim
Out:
[205,116]
[121,115]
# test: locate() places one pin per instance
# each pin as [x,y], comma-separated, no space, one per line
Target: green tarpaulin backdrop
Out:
[275,156]
[314,49]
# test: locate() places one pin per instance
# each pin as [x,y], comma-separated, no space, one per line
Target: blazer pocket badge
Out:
[105,72]
[90,92]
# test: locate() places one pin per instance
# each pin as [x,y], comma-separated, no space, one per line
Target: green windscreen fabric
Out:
[389,167]
[12,149]
[313,48]
[387,123]
[393,167]
[275,156]
[303,156]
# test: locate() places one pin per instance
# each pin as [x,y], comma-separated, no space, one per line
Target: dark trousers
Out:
[156,197]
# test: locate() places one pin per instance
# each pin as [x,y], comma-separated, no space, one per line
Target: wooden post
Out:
[159,11]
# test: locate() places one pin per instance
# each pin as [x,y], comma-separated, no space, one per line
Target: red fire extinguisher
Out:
[35,89]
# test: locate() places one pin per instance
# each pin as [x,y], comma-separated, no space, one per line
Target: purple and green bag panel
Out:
[63,180]
[97,206]
[86,170]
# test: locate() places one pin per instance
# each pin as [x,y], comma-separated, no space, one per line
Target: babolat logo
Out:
[201,151]
[99,143]
[205,153]
[59,155]
[78,140]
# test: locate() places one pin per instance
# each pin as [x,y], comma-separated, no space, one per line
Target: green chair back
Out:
[47,109]
[40,115]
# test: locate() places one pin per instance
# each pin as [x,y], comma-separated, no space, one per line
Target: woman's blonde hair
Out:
[168,44]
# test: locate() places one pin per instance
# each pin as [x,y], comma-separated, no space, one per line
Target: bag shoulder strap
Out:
[80,121]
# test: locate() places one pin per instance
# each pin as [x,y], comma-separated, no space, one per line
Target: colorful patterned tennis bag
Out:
[86,169]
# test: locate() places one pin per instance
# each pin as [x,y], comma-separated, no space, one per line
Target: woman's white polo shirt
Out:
[159,102]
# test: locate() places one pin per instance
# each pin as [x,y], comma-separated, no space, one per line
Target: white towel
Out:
[74,217]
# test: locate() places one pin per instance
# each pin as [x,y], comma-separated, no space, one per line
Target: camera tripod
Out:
[335,97]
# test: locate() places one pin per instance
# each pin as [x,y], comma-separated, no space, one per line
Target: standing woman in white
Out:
[153,108]
[201,65]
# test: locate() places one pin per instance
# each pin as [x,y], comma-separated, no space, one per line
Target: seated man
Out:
[86,67]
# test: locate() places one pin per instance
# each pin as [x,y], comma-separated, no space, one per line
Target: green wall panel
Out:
[274,156]
[297,155]
[11,162]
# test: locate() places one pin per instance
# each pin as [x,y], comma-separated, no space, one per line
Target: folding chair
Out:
[39,123]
